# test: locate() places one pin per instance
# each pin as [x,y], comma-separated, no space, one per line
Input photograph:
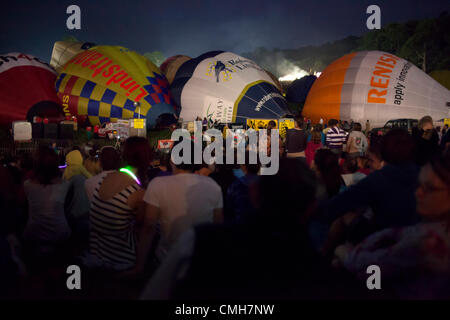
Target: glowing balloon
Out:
[375,86]
[107,83]
[170,67]
[27,89]
[226,87]
[63,51]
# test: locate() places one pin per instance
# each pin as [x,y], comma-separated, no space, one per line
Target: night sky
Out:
[196,26]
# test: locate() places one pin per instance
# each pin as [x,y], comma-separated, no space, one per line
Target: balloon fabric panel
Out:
[226,87]
[24,82]
[117,83]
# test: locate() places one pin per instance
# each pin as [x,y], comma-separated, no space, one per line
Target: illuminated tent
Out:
[27,89]
[107,83]
[226,87]
[375,86]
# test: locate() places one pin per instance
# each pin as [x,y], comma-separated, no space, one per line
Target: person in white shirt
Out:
[357,142]
[177,203]
[110,161]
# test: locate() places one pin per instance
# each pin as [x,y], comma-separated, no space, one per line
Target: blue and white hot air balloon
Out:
[226,87]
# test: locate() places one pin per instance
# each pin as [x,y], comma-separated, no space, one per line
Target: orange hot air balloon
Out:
[375,86]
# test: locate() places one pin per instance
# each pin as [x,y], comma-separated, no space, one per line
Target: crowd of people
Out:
[141,226]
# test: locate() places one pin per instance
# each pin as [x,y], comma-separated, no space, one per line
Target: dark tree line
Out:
[426,43]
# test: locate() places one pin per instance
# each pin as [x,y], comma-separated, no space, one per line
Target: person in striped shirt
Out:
[336,137]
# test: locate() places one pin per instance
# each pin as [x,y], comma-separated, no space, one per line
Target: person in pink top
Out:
[314,144]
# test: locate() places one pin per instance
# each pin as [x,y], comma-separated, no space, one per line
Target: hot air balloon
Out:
[107,83]
[375,86]
[275,80]
[170,67]
[27,89]
[63,51]
[298,90]
[226,87]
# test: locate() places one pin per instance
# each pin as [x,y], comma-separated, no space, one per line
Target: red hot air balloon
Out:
[27,89]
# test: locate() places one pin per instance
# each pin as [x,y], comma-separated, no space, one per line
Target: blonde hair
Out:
[423,120]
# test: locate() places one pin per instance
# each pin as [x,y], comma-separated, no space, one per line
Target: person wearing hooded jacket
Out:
[77,201]
[74,162]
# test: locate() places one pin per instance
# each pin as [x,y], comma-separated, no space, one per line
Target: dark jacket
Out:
[296,140]
[237,205]
[253,262]
[445,139]
[389,192]
[426,149]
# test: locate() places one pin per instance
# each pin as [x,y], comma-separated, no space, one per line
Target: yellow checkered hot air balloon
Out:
[107,83]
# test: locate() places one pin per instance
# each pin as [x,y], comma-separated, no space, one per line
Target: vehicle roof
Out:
[402,119]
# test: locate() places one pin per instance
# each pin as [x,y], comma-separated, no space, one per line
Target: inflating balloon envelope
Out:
[171,65]
[64,51]
[375,86]
[298,90]
[107,83]
[27,89]
[275,80]
[226,87]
